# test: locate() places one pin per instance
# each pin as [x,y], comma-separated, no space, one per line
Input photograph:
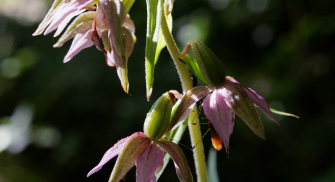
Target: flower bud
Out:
[158,118]
[208,63]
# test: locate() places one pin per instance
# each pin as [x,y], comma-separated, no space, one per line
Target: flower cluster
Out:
[103,21]
[107,25]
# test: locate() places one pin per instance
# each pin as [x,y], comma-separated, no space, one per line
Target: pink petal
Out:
[110,58]
[65,21]
[110,154]
[80,42]
[237,99]
[256,99]
[115,150]
[129,25]
[48,17]
[101,19]
[131,151]
[62,12]
[220,115]
[180,162]
[260,102]
[65,12]
[187,103]
[149,163]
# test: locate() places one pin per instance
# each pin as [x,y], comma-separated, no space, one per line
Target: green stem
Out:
[193,119]
[184,74]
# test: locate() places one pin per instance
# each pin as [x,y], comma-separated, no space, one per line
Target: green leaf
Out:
[154,40]
[284,113]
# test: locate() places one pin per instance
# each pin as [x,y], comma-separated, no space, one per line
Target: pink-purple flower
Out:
[147,155]
[103,21]
[232,98]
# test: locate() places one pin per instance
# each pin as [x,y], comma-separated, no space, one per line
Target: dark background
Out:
[57,120]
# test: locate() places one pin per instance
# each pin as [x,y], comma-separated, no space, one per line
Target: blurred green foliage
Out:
[58,119]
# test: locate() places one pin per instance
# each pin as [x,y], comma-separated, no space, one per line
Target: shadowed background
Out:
[57,120]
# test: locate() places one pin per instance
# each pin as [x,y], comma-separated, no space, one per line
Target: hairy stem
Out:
[184,74]
[193,119]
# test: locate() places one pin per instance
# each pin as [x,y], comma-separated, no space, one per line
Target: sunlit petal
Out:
[182,169]
[149,163]
[187,103]
[110,154]
[80,42]
[237,99]
[220,116]
[256,99]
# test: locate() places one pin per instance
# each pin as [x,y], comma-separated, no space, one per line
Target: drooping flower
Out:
[103,21]
[146,150]
[228,96]
[147,155]
[232,98]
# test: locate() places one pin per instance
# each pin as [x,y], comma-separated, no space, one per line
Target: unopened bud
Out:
[208,63]
[158,118]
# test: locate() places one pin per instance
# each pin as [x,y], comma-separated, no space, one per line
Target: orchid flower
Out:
[146,150]
[232,98]
[138,149]
[228,96]
[109,23]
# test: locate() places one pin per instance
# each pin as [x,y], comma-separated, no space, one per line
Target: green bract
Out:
[154,40]
[208,64]
[158,118]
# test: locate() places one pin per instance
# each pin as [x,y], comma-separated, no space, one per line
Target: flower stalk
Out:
[193,119]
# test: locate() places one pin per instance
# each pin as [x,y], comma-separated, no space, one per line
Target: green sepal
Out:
[208,63]
[195,68]
[158,121]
